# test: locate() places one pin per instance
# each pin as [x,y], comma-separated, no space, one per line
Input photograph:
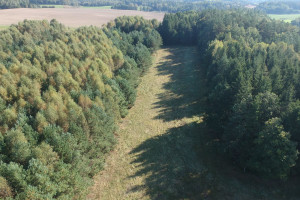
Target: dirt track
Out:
[73,17]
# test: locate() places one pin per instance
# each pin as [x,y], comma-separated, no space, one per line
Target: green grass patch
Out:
[3,27]
[97,7]
[56,6]
[286,18]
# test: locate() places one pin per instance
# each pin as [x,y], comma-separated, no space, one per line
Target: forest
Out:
[149,5]
[171,6]
[280,7]
[253,78]
[7,4]
[62,92]
[175,6]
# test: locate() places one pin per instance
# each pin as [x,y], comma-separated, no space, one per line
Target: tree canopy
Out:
[253,66]
[62,92]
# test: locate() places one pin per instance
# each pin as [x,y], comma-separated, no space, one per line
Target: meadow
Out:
[55,6]
[97,7]
[286,18]
[3,27]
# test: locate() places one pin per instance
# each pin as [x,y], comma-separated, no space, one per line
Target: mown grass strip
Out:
[55,6]
[97,7]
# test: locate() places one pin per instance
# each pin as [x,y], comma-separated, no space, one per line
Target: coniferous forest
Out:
[253,78]
[63,92]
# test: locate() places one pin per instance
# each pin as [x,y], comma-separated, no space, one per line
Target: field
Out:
[286,18]
[72,17]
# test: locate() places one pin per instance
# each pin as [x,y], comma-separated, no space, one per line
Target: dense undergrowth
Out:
[61,93]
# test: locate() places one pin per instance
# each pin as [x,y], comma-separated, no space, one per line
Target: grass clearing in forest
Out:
[3,27]
[155,157]
[97,7]
[55,6]
[286,18]
[164,151]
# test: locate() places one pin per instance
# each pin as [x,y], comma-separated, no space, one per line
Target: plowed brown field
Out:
[72,17]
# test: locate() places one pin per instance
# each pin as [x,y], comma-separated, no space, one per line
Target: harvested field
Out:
[72,17]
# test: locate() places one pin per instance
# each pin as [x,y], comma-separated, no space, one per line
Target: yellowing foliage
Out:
[61,93]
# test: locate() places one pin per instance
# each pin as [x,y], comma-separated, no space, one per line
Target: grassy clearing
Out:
[97,7]
[164,149]
[3,27]
[149,162]
[56,6]
[286,18]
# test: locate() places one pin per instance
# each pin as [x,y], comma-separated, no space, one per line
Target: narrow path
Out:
[155,157]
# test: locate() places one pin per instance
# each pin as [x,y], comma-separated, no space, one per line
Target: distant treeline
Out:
[6,4]
[148,5]
[252,66]
[174,6]
[280,7]
[273,7]
[62,92]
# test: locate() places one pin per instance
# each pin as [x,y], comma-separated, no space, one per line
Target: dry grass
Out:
[148,162]
[164,151]
[72,17]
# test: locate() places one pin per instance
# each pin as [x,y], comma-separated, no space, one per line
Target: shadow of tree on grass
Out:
[183,163]
[171,168]
[185,95]
[170,161]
